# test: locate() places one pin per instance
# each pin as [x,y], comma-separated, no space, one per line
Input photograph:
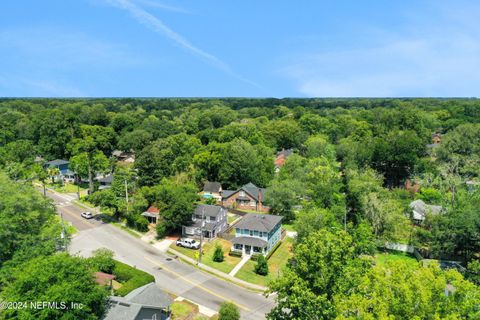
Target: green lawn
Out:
[183,310]
[66,188]
[288,227]
[208,248]
[232,217]
[383,258]
[275,264]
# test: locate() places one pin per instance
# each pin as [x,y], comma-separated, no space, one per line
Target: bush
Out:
[141,224]
[254,256]
[272,251]
[161,229]
[228,311]
[130,277]
[102,260]
[235,254]
[218,254]
[261,267]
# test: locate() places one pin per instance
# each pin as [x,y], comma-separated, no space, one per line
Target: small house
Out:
[152,214]
[281,157]
[146,302]
[212,190]
[61,165]
[248,197]
[257,233]
[420,210]
[210,219]
[105,182]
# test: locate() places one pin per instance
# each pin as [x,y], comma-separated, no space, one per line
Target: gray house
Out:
[146,302]
[257,233]
[211,219]
[420,210]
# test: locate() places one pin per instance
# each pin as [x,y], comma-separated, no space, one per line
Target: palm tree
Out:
[53,172]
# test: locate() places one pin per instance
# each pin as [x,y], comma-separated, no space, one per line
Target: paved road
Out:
[170,274]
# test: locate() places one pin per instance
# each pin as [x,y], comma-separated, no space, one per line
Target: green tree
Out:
[228,311]
[218,254]
[58,278]
[102,260]
[261,267]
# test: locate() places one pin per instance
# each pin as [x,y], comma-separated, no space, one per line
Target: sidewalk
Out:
[217,272]
[239,265]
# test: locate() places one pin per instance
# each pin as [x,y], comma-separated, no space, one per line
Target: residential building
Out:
[212,189]
[146,302]
[420,210]
[257,233]
[152,214]
[105,182]
[212,219]
[281,157]
[248,197]
[61,165]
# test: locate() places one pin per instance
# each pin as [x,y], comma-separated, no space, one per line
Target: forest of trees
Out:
[356,166]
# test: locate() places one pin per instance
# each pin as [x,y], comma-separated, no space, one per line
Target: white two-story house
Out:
[257,233]
[211,219]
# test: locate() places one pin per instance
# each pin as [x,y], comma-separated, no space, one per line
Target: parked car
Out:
[188,243]
[87,215]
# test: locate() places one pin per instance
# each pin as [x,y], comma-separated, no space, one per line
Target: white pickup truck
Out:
[188,243]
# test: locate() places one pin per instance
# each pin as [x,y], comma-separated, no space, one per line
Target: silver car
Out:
[87,215]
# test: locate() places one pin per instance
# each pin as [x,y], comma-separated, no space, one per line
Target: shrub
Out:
[228,311]
[273,250]
[235,254]
[161,229]
[102,260]
[218,254]
[254,256]
[261,267]
[130,277]
[141,224]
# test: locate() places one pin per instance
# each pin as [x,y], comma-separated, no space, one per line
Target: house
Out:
[211,219]
[105,182]
[146,302]
[257,233]
[122,156]
[61,165]
[281,157]
[248,197]
[420,210]
[212,189]
[152,214]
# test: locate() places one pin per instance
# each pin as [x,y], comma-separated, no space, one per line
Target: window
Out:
[251,233]
[252,204]
[238,246]
[238,230]
[242,193]
[255,233]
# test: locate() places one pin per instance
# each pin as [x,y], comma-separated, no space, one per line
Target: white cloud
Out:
[158,26]
[439,58]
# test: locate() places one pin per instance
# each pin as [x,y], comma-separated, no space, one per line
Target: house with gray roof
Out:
[212,189]
[257,233]
[247,197]
[146,302]
[211,219]
[420,210]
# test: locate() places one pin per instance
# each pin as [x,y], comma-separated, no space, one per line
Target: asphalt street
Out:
[170,274]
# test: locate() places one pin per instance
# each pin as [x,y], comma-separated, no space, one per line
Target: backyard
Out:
[275,264]
[383,258]
[183,310]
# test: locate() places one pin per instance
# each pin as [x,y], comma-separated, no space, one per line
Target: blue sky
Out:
[248,48]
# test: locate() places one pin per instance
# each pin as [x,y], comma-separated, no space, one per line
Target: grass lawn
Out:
[183,310]
[231,217]
[208,248]
[288,227]
[275,264]
[66,188]
[384,257]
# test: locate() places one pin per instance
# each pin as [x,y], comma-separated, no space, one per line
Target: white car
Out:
[188,243]
[87,215]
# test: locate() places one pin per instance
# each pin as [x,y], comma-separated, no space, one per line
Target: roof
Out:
[259,222]
[249,188]
[280,161]
[212,187]
[152,212]
[129,307]
[56,163]
[208,226]
[149,295]
[103,278]
[106,179]
[284,153]
[420,209]
[117,153]
[250,241]
[208,209]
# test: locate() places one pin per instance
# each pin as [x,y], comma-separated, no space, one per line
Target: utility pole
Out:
[201,236]
[63,235]
[126,194]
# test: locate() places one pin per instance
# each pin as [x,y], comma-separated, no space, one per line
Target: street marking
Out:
[195,284]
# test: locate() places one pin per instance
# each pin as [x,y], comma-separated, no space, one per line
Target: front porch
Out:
[249,245]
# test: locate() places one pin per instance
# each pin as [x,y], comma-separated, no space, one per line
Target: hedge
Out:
[273,249]
[235,254]
[130,277]
[254,256]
